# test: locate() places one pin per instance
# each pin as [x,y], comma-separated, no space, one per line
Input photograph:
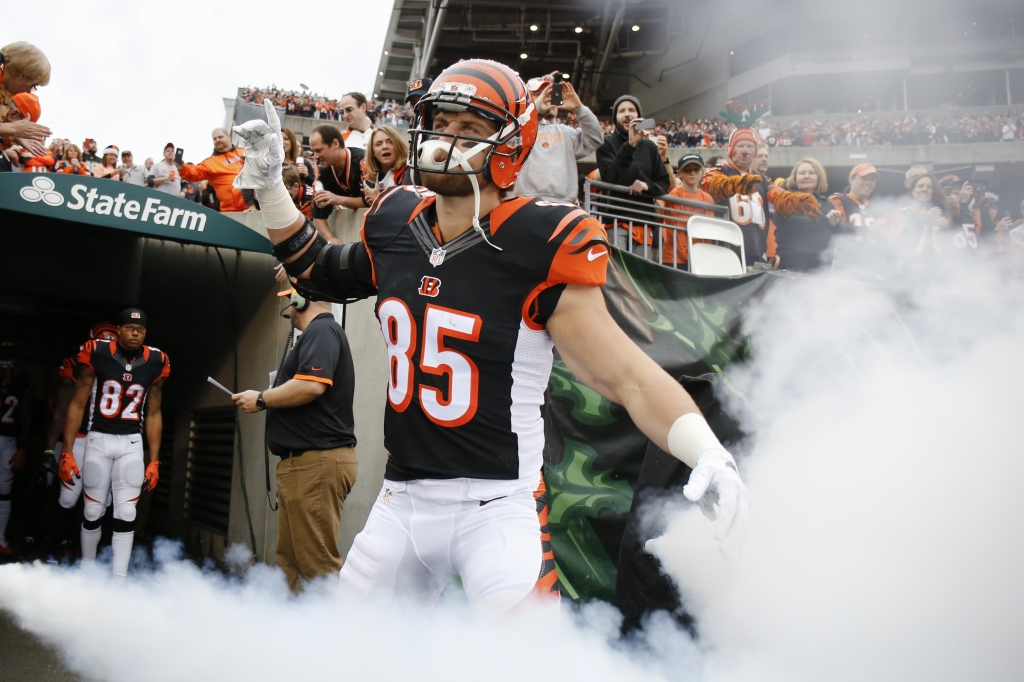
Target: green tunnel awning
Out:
[122,206]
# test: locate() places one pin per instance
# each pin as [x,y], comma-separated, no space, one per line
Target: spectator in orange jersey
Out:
[72,161]
[689,175]
[220,169]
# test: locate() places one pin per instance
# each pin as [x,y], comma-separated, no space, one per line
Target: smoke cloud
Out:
[884,542]
[885,484]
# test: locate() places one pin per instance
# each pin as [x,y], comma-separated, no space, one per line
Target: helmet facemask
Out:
[426,143]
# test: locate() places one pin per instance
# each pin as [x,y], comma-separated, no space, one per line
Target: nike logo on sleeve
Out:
[594,256]
[316,369]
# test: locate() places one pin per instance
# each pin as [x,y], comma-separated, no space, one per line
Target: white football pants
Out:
[422,533]
[113,465]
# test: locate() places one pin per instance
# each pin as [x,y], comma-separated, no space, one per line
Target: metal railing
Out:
[663,225]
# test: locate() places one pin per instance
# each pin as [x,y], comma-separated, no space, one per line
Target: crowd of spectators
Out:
[901,130]
[312,105]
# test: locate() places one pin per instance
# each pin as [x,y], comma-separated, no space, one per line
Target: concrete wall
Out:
[261,345]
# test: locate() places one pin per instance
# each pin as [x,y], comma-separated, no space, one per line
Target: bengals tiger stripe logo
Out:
[430,286]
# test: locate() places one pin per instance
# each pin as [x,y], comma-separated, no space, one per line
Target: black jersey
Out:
[13,394]
[464,327]
[121,385]
[852,212]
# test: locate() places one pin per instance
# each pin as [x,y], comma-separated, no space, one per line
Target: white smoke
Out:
[884,543]
[886,504]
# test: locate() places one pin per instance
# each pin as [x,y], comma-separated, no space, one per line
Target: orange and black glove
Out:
[152,475]
[18,459]
[67,469]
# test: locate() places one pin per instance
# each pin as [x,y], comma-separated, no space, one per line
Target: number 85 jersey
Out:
[469,357]
[120,389]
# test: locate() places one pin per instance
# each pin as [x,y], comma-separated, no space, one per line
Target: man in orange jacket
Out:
[220,170]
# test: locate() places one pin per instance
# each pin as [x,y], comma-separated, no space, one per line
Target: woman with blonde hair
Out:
[71,163]
[800,242]
[23,68]
[386,160]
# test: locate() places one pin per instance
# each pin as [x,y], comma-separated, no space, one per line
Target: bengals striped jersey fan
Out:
[121,386]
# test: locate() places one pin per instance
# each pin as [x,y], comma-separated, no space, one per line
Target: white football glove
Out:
[716,487]
[264,152]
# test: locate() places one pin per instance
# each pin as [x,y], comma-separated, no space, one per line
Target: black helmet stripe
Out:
[477,73]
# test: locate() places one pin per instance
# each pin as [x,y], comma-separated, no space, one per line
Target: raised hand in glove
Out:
[264,152]
[152,476]
[67,469]
[716,487]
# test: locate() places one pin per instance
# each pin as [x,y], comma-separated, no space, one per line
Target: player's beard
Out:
[446,185]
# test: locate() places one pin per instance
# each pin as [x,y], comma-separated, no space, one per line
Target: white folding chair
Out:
[714,260]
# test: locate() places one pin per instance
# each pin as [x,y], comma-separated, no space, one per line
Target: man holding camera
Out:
[311,428]
[550,171]
[629,159]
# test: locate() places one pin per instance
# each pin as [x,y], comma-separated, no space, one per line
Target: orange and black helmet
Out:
[103,331]
[493,91]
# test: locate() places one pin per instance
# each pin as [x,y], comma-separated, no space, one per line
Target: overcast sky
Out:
[140,74]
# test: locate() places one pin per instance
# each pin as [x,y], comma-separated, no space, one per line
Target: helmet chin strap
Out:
[461,159]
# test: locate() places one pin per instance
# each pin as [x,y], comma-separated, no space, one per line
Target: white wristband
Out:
[277,207]
[689,436]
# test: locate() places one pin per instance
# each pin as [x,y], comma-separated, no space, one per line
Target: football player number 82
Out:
[454,406]
[110,400]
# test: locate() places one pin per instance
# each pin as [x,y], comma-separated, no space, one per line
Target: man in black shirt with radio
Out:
[311,428]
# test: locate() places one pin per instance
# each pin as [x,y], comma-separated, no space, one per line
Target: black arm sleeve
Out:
[341,274]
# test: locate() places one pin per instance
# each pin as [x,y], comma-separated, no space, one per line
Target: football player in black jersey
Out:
[128,378]
[14,432]
[472,294]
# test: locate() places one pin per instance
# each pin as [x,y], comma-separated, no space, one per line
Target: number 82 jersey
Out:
[468,354]
[120,390]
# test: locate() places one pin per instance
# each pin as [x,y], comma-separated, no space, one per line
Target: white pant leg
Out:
[385,558]
[8,446]
[498,553]
[70,492]
[97,461]
[126,476]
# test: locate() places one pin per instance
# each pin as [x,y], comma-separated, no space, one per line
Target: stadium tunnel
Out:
[78,250]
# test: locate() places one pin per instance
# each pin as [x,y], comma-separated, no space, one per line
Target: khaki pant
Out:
[311,493]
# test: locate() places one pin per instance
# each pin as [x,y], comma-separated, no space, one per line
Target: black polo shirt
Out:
[345,182]
[321,354]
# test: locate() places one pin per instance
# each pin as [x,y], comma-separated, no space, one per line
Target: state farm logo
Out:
[42,189]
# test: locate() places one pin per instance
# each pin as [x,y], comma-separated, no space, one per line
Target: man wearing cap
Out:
[689,172]
[128,378]
[311,428]
[130,173]
[164,176]
[853,205]
[748,195]
[417,89]
[550,171]
[23,107]
[628,158]
[89,156]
